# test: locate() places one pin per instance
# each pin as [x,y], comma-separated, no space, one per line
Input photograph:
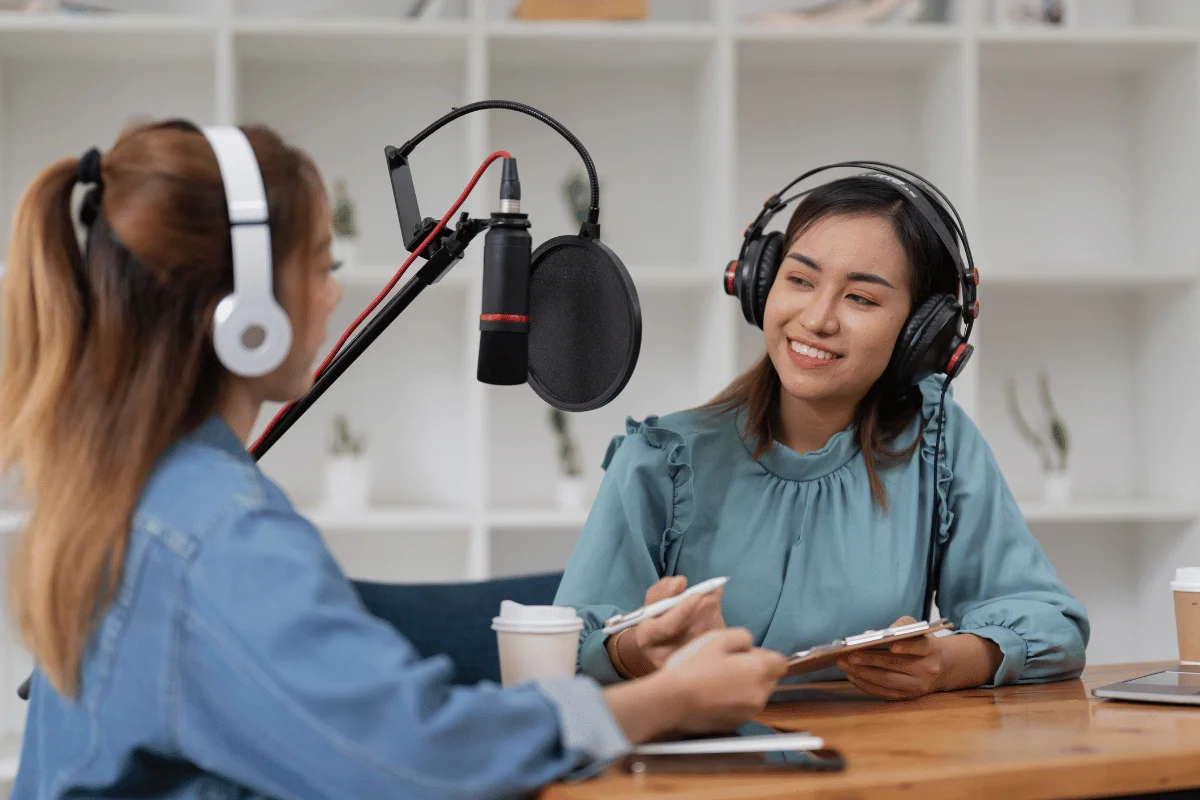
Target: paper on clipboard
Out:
[826,655]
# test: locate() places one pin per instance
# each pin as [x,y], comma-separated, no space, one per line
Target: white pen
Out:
[622,621]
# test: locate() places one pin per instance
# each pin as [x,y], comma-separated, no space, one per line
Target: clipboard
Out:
[824,656]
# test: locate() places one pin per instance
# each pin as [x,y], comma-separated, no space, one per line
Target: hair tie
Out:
[88,171]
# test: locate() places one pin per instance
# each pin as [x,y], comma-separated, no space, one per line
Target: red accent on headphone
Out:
[975,310]
[503,318]
[975,275]
[730,274]
[958,353]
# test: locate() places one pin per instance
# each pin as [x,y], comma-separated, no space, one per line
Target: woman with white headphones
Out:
[193,636]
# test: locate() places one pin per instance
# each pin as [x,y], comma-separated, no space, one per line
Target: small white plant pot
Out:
[570,494]
[347,483]
[345,250]
[1056,488]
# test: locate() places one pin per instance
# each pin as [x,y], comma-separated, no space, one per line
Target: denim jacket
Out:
[237,661]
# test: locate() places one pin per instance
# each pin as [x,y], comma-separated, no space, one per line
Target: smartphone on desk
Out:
[815,756]
[823,760]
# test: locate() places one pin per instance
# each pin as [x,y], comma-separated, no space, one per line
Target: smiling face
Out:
[837,307]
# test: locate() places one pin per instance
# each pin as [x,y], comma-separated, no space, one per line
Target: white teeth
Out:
[811,352]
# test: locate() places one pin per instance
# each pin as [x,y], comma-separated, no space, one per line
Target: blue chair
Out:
[450,618]
[456,618]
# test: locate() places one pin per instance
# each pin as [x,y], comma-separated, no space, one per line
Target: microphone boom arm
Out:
[440,261]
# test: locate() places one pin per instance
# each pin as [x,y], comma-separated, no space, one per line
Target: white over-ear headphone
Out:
[251,332]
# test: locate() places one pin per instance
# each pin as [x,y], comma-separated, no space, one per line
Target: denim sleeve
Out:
[995,580]
[286,684]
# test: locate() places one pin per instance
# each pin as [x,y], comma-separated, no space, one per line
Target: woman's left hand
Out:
[906,670]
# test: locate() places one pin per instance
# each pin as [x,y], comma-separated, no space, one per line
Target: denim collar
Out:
[215,431]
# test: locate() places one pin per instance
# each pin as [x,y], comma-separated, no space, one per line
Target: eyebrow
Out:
[861,277]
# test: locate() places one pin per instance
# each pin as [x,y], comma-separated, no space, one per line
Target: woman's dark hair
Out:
[888,408]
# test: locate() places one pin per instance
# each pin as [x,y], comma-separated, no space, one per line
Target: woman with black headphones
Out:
[834,482]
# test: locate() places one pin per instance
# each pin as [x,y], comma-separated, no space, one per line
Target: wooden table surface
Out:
[1045,741]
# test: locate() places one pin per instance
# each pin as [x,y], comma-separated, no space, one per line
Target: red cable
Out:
[462,198]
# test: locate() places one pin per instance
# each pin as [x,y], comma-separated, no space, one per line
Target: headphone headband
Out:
[246,200]
[920,191]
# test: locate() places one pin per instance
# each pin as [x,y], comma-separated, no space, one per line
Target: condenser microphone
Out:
[565,318]
[504,316]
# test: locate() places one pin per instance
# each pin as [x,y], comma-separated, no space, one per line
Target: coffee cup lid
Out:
[518,618]
[1187,579]
[500,626]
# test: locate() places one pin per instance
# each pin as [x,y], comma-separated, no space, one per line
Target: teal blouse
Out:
[809,555]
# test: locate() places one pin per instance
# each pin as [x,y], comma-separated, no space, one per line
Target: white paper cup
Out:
[536,642]
[1186,587]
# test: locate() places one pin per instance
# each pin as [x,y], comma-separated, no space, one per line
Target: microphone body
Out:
[504,318]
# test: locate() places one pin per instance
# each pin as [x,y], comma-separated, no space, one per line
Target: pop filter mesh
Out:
[585,324]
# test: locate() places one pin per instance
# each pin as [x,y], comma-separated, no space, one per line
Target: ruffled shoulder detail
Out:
[679,469]
[931,394]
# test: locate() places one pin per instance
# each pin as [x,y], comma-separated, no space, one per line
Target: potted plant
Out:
[345,225]
[1052,443]
[570,493]
[348,471]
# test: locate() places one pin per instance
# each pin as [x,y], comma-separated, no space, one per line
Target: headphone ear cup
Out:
[928,340]
[766,263]
[252,335]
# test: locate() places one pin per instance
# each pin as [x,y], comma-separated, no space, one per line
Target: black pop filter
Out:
[585,323]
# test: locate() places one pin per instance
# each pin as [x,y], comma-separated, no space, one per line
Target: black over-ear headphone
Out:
[931,341]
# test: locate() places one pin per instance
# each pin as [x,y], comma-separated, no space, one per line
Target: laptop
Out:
[1178,685]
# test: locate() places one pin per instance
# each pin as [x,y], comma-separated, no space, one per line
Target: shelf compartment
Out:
[1131,511]
[536,519]
[351,41]
[579,44]
[854,49]
[426,555]
[385,520]
[116,37]
[344,113]
[896,100]
[404,396]
[648,154]
[1101,177]
[1103,278]
[321,12]
[53,109]
[660,12]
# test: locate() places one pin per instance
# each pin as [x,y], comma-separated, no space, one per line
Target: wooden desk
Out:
[1047,741]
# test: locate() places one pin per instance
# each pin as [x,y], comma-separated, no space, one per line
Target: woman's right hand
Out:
[648,645]
[724,679]
[713,685]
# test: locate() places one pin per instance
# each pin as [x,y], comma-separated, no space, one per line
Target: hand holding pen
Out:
[642,640]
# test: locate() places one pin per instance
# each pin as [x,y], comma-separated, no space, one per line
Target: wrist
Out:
[645,708]
[627,657]
[968,661]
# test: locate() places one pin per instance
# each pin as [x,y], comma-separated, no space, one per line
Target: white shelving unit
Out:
[1071,154]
